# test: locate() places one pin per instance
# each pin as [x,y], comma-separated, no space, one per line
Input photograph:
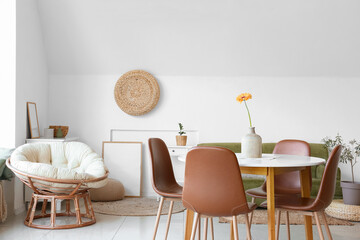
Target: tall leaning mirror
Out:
[33,120]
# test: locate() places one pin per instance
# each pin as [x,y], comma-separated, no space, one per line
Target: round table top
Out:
[279,160]
[274,160]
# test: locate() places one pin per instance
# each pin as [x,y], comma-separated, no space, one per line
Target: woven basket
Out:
[64,130]
[338,209]
[136,92]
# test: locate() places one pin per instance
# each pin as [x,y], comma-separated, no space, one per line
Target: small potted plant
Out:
[181,138]
[349,154]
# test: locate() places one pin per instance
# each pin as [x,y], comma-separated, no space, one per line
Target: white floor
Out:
[136,228]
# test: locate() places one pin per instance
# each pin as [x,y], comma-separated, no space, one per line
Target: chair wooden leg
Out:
[287,224]
[169,218]
[67,208]
[86,208]
[205,228]
[318,225]
[199,230]
[53,212]
[277,224]
[212,228]
[252,212]
[29,209]
[248,232]
[91,209]
[33,210]
[158,217]
[43,209]
[77,210]
[326,225]
[195,224]
[236,235]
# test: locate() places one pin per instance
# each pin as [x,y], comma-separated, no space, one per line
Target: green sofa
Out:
[5,172]
[317,150]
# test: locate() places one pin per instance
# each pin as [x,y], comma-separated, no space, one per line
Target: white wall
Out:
[7,72]
[31,76]
[7,86]
[304,57]
[299,108]
[203,37]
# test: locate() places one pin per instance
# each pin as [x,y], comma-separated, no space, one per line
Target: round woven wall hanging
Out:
[137,92]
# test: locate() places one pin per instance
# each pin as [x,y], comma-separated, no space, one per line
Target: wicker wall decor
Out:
[137,92]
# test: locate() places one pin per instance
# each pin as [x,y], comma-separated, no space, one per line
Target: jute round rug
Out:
[260,217]
[135,207]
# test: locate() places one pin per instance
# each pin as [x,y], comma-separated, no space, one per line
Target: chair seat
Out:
[259,192]
[256,192]
[174,191]
[251,206]
[294,202]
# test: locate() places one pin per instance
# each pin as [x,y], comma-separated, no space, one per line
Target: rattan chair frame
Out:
[65,189]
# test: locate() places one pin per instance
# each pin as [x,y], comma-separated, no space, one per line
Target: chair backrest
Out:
[290,183]
[328,181]
[213,184]
[162,171]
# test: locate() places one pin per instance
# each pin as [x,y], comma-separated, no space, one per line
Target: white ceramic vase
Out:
[251,144]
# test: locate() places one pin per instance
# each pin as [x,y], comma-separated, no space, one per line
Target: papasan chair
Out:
[59,171]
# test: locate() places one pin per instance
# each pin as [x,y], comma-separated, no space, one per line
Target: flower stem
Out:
[248,112]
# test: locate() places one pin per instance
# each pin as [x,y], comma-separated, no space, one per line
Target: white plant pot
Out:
[251,144]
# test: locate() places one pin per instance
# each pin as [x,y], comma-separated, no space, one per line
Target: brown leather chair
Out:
[163,179]
[314,207]
[213,186]
[287,183]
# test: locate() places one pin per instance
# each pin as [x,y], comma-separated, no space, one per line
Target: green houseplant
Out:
[349,155]
[181,138]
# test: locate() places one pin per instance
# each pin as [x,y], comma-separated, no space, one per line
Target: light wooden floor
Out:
[140,228]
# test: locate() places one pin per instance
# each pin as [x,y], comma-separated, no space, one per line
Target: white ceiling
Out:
[203,37]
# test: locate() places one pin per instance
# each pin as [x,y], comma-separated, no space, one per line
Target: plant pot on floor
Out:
[181,140]
[351,192]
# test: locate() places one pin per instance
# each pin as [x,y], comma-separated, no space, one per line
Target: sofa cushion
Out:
[235,147]
[320,170]
[319,150]
[268,147]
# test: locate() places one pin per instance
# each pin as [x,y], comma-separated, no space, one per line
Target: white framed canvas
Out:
[123,159]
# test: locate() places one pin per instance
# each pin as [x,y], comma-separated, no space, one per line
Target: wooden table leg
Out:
[188,224]
[270,202]
[305,192]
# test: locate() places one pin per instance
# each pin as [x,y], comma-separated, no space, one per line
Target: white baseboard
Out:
[19,210]
[149,194]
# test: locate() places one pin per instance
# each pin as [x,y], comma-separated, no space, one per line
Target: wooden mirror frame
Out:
[34,126]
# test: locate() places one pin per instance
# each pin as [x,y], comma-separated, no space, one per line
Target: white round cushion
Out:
[60,160]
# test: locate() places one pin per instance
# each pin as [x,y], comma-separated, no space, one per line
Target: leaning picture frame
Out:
[33,120]
[124,159]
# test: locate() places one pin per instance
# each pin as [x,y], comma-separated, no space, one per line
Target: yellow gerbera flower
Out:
[243,97]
